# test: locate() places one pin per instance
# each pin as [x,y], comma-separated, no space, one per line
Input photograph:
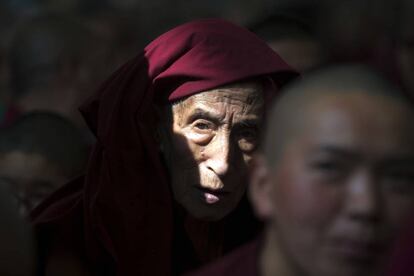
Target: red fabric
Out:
[125,199]
[244,261]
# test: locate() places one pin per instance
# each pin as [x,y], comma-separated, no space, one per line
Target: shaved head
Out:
[292,110]
[335,179]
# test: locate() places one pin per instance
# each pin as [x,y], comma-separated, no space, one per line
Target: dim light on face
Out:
[343,188]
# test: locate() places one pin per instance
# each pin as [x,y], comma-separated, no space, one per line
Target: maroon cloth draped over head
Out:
[125,199]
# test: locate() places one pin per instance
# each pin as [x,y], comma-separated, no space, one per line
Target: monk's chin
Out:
[207,212]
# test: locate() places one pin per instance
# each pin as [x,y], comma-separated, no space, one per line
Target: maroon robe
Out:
[243,261]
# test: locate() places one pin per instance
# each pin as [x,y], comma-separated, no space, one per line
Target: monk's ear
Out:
[260,187]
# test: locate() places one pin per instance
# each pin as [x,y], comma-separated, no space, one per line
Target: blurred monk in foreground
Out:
[334,180]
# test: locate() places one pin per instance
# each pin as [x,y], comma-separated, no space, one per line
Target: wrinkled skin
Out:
[341,190]
[209,147]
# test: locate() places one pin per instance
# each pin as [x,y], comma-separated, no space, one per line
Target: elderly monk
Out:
[334,181]
[176,128]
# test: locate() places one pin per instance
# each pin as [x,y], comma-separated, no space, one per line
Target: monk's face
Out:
[343,187]
[213,136]
[30,176]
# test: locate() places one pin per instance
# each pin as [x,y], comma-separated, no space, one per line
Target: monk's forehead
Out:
[301,110]
[349,98]
[358,105]
[244,93]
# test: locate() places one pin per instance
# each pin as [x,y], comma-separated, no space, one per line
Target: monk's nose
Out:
[363,198]
[219,156]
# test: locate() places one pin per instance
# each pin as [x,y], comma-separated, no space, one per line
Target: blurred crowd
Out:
[55,54]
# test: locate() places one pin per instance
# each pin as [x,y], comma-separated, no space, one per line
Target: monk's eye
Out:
[203,126]
[327,166]
[247,139]
[202,131]
[399,180]
[247,145]
[330,168]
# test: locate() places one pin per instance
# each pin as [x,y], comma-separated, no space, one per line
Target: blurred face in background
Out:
[341,188]
[30,177]
[302,53]
[209,147]
[352,30]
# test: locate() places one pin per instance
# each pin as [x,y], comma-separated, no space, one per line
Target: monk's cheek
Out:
[300,200]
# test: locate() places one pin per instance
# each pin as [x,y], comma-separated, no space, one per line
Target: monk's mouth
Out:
[210,196]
